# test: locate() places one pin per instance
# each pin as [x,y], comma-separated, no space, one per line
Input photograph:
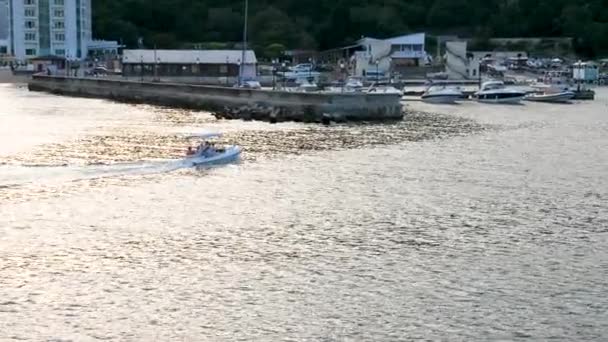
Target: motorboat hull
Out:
[496,92]
[442,99]
[505,98]
[552,98]
[230,154]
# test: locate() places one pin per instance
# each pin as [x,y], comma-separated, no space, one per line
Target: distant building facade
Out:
[459,63]
[390,55]
[46,27]
[372,56]
[194,66]
[4,27]
[585,72]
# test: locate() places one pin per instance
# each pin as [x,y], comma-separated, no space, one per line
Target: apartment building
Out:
[45,27]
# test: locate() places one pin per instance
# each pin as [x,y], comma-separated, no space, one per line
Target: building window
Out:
[58,2]
[59,52]
[30,36]
[58,13]
[30,24]
[223,69]
[30,12]
[29,2]
[60,37]
[3,50]
[58,24]
[30,52]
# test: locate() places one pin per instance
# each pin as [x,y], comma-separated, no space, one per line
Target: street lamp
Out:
[310,70]
[274,73]
[124,74]
[141,68]
[244,51]
[241,72]
[67,65]
[198,71]
[283,65]
[377,71]
[227,71]
[157,62]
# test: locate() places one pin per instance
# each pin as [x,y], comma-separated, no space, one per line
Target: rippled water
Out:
[476,223]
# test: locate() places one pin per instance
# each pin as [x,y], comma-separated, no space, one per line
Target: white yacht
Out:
[497,92]
[383,89]
[551,94]
[442,94]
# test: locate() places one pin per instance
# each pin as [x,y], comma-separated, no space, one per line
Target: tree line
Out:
[324,24]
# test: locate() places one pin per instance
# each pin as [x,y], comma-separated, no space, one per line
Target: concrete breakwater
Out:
[232,103]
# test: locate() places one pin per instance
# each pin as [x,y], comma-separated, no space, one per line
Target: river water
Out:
[476,223]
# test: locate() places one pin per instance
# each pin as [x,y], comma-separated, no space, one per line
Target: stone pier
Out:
[232,103]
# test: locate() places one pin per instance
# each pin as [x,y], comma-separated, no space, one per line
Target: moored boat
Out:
[383,89]
[552,96]
[497,92]
[444,95]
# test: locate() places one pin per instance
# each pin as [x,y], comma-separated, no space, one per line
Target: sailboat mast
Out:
[242,68]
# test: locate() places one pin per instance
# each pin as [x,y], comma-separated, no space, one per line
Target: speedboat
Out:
[383,89]
[497,92]
[214,156]
[552,95]
[352,85]
[441,94]
[207,154]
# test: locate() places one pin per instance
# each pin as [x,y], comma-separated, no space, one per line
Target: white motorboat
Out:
[354,83]
[551,93]
[215,156]
[303,87]
[383,89]
[497,92]
[552,96]
[442,94]
[207,154]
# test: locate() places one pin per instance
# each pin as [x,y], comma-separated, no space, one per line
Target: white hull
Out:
[553,98]
[230,154]
[496,92]
[507,100]
[441,99]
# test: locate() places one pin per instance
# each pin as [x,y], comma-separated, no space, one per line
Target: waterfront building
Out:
[390,55]
[459,63]
[585,72]
[45,27]
[194,66]
[4,28]
[372,56]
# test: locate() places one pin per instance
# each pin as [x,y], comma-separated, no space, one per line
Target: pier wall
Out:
[231,103]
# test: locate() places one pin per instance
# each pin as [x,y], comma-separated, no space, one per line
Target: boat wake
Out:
[12,176]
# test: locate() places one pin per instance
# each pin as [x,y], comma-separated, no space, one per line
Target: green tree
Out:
[331,23]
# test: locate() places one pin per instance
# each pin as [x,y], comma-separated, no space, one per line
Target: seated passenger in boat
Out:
[190,151]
